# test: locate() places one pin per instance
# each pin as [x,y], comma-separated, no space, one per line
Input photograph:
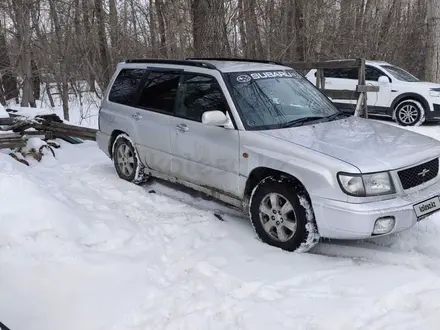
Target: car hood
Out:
[367,144]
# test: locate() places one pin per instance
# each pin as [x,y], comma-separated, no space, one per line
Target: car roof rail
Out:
[175,62]
[232,59]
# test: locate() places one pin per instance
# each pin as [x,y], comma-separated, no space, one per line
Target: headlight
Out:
[366,184]
[434,92]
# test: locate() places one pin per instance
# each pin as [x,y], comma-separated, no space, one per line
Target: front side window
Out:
[125,86]
[399,73]
[160,91]
[277,99]
[372,73]
[200,93]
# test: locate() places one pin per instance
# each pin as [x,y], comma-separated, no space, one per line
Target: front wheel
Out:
[409,113]
[282,215]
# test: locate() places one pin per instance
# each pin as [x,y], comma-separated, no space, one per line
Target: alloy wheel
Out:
[125,159]
[409,114]
[278,217]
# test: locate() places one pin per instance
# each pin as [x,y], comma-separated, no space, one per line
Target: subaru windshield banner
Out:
[244,77]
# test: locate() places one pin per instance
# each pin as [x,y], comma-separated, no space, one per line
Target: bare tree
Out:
[433,49]
[66,41]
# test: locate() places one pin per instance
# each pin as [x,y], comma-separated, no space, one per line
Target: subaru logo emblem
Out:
[244,78]
[424,172]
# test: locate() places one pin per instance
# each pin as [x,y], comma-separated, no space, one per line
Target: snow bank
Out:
[82,249]
[28,210]
[28,111]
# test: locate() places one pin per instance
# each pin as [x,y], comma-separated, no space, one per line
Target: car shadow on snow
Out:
[419,240]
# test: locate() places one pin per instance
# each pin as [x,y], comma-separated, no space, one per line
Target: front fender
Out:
[316,171]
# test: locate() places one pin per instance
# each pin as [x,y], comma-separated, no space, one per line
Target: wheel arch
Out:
[113,137]
[409,96]
[259,173]
[311,228]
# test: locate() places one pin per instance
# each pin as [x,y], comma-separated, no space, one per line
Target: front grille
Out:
[417,175]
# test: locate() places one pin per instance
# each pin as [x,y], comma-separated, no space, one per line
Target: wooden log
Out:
[66,130]
[68,126]
[10,136]
[341,94]
[12,144]
[367,88]
[62,132]
[31,133]
[49,127]
[7,121]
[21,160]
[333,64]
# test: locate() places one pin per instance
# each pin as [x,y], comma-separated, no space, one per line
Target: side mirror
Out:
[384,80]
[215,118]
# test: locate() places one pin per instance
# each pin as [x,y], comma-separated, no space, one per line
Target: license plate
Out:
[427,207]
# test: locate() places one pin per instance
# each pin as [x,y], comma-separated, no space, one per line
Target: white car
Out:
[401,96]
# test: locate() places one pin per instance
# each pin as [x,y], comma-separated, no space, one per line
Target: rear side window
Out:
[341,73]
[160,91]
[125,86]
[201,93]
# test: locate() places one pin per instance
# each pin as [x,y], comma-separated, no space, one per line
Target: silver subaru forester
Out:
[259,136]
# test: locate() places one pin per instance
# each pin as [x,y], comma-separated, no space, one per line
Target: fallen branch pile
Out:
[19,129]
[11,141]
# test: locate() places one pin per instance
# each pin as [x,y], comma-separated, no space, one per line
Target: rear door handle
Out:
[182,128]
[137,116]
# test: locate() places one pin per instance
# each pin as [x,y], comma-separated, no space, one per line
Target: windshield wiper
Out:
[300,121]
[335,116]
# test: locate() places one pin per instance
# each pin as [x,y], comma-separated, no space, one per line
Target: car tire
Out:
[290,224]
[409,113]
[126,160]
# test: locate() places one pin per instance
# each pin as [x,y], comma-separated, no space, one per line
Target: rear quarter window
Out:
[125,86]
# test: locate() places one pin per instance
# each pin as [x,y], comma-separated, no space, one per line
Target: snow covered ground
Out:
[82,249]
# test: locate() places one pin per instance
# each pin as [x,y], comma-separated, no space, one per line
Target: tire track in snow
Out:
[360,251]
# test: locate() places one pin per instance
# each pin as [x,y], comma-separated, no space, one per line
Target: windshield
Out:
[273,99]
[399,73]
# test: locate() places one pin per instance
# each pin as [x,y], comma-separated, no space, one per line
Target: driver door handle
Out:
[182,128]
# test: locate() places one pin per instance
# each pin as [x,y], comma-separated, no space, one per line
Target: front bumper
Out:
[433,115]
[340,220]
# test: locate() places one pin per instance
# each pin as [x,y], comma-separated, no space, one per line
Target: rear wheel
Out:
[282,216]
[126,160]
[409,113]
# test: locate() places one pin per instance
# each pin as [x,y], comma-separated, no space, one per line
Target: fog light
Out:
[384,225]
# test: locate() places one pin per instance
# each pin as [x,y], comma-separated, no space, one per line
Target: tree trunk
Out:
[162,33]
[300,31]
[114,28]
[62,74]
[89,50]
[242,28]
[433,50]
[8,83]
[23,20]
[36,81]
[103,47]
[152,25]
[208,28]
